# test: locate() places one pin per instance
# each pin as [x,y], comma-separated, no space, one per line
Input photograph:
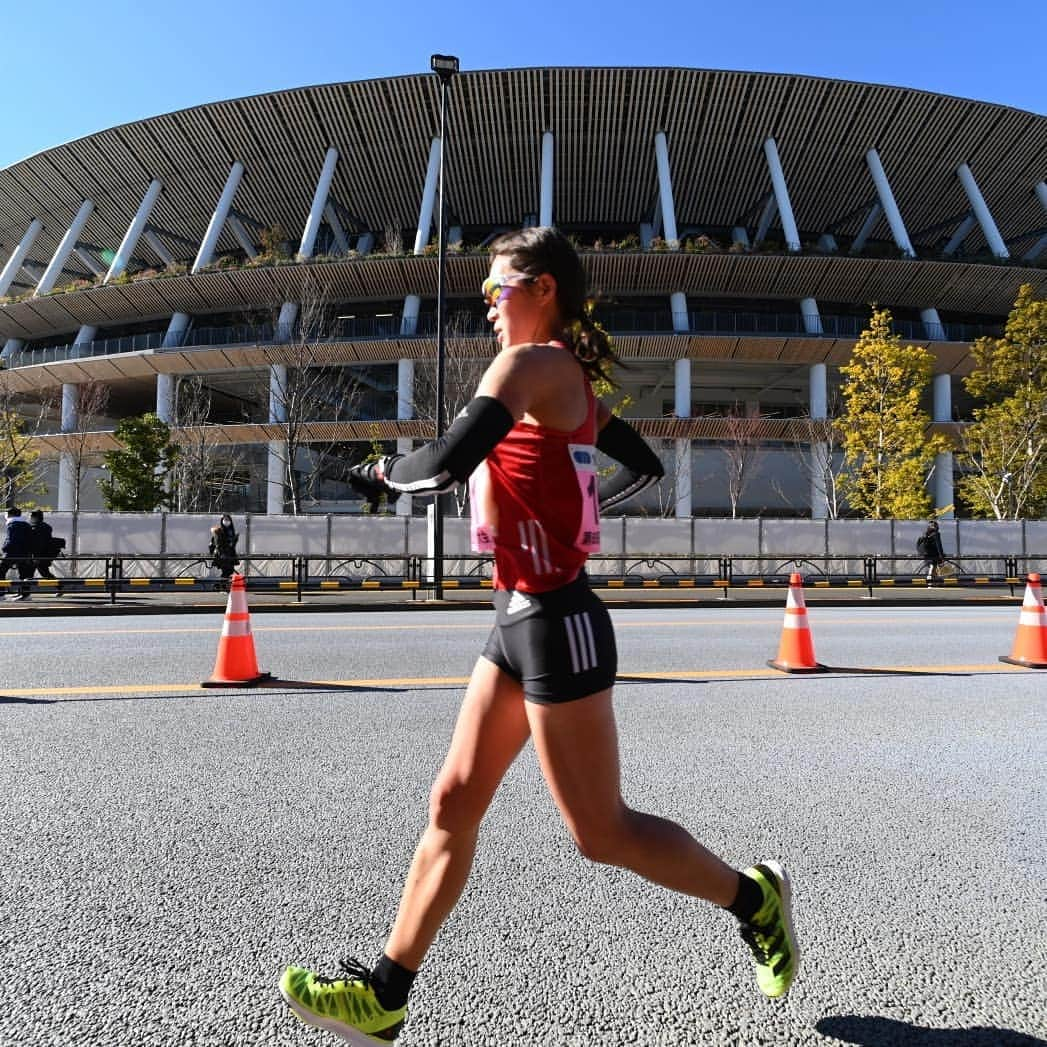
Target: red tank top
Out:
[534,504]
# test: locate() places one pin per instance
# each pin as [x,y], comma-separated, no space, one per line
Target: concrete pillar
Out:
[89,261]
[160,249]
[276,465]
[425,212]
[678,306]
[409,319]
[770,209]
[1038,248]
[545,200]
[85,336]
[818,405]
[887,201]
[243,238]
[827,242]
[665,187]
[365,244]
[943,463]
[812,319]
[14,263]
[684,455]
[335,223]
[781,195]
[981,212]
[165,388]
[404,411]
[59,258]
[221,213]
[316,211]
[66,464]
[867,227]
[134,231]
[740,235]
[11,346]
[933,328]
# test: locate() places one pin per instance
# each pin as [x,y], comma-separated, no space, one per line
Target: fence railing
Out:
[411,573]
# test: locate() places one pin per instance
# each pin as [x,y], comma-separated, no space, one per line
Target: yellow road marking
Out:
[460,681]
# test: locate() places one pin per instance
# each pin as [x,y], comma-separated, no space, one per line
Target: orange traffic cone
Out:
[236,665]
[1030,642]
[796,651]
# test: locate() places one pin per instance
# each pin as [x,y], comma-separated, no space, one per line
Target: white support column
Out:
[14,263]
[740,235]
[332,219]
[981,212]
[962,232]
[665,188]
[943,463]
[243,238]
[66,464]
[818,405]
[404,411]
[827,242]
[681,317]
[812,319]
[770,209]
[88,260]
[887,201]
[868,225]
[316,211]
[1037,248]
[276,465]
[84,336]
[180,321]
[781,195]
[165,387]
[365,244]
[545,199]
[425,212]
[933,328]
[11,346]
[454,235]
[160,249]
[59,258]
[683,456]
[134,231]
[219,218]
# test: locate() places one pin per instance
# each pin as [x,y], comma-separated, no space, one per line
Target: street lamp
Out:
[445,67]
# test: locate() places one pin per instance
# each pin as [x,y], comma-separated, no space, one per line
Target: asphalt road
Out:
[167,850]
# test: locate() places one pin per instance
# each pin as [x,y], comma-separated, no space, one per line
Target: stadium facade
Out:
[737,227]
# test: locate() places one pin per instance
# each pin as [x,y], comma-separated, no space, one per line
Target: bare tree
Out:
[743,450]
[204,468]
[21,468]
[90,403]
[305,388]
[817,450]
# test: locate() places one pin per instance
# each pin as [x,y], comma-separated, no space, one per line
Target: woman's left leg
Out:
[577,746]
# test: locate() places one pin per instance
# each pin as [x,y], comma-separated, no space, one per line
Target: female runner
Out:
[527,443]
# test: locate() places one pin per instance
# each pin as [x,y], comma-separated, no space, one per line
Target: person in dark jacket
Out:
[223,547]
[930,547]
[18,551]
[45,545]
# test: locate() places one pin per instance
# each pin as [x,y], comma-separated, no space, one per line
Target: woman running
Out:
[527,443]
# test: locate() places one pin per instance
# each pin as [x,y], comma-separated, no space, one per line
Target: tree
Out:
[888,453]
[91,400]
[743,449]
[1003,452]
[138,473]
[21,470]
[204,469]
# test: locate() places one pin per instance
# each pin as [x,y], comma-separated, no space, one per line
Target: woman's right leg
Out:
[491,730]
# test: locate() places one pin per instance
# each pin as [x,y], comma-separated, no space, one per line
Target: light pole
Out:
[445,67]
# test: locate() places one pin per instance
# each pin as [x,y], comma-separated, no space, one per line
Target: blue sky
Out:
[72,69]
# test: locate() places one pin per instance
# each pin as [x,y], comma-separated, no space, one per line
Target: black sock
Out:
[392,983]
[749,900]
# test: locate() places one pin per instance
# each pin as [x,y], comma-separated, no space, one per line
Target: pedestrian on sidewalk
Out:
[18,551]
[45,546]
[222,548]
[527,442]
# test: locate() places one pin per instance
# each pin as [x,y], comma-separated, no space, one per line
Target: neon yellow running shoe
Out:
[346,1006]
[769,934]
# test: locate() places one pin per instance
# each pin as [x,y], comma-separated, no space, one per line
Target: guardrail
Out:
[318,575]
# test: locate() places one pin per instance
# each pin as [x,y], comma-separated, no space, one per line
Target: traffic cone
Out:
[1030,642]
[236,665]
[796,651]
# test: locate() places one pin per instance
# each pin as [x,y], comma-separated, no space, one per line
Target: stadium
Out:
[251,267]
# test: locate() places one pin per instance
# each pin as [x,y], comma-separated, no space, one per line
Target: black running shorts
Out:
[559,645]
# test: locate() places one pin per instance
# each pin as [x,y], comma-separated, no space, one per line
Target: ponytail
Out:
[592,347]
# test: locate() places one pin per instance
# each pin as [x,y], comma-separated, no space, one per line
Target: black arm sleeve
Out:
[641,467]
[443,464]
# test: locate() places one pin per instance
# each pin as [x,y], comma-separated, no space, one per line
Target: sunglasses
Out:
[494,287]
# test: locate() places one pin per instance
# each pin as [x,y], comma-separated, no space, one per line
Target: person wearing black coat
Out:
[18,551]
[930,547]
[223,547]
[43,544]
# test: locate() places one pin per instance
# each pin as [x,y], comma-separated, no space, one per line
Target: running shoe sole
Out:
[787,916]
